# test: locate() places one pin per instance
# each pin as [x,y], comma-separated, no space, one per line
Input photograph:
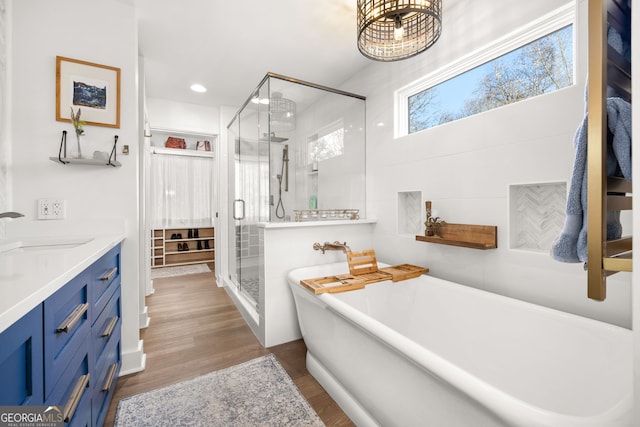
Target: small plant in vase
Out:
[78,125]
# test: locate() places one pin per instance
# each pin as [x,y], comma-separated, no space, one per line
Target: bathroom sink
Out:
[45,244]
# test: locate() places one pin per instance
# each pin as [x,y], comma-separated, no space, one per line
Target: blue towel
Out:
[620,45]
[571,245]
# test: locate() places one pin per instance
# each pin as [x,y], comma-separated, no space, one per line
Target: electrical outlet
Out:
[51,208]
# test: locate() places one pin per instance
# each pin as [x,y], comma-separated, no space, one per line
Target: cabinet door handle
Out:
[109,329]
[74,399]
[73,318]
[108,381]
[109,274]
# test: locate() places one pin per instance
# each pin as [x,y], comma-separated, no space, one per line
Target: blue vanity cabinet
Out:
[66,325]
[66,352]
[105,279]
[105,297]
[72,393]
[21,361]
[82,365]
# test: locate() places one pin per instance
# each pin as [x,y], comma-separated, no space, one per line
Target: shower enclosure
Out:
[297,153]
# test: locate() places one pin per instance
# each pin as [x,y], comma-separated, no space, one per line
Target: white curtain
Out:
[181,190]
[253,178]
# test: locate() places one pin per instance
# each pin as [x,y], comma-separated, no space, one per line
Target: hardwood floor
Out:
[195,329]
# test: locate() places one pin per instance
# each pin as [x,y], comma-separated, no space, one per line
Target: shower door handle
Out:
[235,209]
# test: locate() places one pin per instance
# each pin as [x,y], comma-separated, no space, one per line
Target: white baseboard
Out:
[134,361]
[144,319]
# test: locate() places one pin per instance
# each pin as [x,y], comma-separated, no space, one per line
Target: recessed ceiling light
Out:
[196,87]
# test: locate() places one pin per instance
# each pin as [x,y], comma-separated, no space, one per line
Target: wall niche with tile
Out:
[410,216]
[536,215]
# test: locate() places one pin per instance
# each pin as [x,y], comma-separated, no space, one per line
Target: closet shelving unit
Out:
[165,252]
[609,72]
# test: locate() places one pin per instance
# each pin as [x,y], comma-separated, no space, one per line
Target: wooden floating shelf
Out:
[464,235]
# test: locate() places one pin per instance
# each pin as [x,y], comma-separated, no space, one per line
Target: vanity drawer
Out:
[66,325]
[107,327]
[105,278]
[21,361]
[106,371]
[72,392]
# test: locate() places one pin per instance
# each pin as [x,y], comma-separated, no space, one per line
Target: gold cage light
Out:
[390,30]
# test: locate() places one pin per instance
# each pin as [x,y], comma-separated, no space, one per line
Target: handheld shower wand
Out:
[284,173]
[285,162]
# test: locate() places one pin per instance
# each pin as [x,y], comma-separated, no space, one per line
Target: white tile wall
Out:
[466,167]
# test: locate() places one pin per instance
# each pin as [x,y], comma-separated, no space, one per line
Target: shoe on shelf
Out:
[195,233]
[180,247]
[199,245]
[174,236]
[206,244]
[190,235]
[179,236]
[185,247]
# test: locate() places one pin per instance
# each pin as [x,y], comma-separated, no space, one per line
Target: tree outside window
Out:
[539,67]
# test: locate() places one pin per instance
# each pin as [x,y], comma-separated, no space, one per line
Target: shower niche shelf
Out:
[464,235]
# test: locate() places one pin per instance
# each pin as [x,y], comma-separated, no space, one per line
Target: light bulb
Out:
[398,31]
[196,87]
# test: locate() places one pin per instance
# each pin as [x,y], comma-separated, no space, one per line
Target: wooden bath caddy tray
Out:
[363,270]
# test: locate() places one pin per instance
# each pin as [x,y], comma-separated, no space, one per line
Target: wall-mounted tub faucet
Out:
[335,246]
[10,215]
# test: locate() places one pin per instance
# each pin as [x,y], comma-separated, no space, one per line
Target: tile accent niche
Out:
[536,213]
[410,219]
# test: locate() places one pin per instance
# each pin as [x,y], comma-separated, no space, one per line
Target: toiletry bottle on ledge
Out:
[313,202]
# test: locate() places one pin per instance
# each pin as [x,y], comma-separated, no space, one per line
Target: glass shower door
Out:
[249,179]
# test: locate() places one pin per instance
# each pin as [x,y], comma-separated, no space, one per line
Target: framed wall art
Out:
[93,88]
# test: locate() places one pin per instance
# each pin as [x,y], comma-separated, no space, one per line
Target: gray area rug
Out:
[255,393]
[180,270]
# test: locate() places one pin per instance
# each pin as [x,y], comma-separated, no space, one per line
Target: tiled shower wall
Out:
[248,236]
[4,144]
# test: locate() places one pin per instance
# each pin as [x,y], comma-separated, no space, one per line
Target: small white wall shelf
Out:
[95,162]
[62,155]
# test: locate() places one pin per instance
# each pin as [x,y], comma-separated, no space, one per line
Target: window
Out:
[327,143]
[540,62]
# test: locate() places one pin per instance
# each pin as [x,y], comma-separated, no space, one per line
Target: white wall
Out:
[103,33]
[5,148]
[290,246]
[181,116]
[465,168]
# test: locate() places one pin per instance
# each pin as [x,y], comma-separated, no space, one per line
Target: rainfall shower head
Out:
[272,138]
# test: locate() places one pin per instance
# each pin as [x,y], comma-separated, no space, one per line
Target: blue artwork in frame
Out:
[92,87]
[87,95]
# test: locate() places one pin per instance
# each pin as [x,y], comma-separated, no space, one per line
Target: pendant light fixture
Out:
[283,113]
[390,30]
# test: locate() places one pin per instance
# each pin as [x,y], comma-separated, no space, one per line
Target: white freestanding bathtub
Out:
[428,352]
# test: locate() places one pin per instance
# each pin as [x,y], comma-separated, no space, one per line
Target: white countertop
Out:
[29,277]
